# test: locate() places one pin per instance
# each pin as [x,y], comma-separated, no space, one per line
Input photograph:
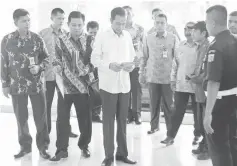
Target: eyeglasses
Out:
[188,28]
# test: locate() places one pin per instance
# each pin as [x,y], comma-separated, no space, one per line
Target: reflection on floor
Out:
[147,150]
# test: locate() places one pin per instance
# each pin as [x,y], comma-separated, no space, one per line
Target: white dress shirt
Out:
[110,48]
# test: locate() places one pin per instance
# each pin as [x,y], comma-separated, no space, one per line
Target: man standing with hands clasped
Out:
[114,56]
[221,89]
[23,60]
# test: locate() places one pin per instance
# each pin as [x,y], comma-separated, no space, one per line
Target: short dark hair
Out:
[162,16]
[127,7]
[201,25]
[234,13]
[117,11]
[55,11]
[220,14]
[76,14]
[156,10]
[19,13]
[92,25]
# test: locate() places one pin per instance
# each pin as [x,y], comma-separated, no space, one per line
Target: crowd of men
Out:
[119,60]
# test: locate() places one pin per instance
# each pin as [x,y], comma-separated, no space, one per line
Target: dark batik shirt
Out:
[16,54]
[79,46]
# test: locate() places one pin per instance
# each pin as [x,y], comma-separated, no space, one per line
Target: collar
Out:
[53,30]
[131,26]
[220,35]
[115,34]
[17,34]
[190,45]
[205,42]
[164,35]
[81,36]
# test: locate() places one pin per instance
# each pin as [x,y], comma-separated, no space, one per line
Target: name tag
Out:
[32,60]
[91,77]
[165,54]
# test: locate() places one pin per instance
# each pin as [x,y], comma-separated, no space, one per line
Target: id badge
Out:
[91,77]
[32,60]
[165,54]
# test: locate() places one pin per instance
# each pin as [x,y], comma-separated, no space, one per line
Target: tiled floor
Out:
[147,150]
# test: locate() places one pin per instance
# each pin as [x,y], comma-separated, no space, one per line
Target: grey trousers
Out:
[20,106]
[114,105]
[158,91]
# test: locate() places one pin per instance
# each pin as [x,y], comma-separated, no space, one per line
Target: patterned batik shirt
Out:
[199,74]
[137,33]
[158,56]
[71,55]
[184,64]
[50,36]
[16,56]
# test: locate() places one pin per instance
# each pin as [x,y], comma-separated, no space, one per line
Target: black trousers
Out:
[81,103]
[201,113]
[222,144]
[115,105]
[158,91]
[181,102]
[20,106]
[135,103]
[51,86]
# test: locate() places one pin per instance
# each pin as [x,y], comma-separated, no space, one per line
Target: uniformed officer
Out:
[221,69]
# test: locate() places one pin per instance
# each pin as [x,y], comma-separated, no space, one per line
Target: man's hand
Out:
[207,124]
[34,69]
[173,85]
[115,67]
[6,92]
[128,67]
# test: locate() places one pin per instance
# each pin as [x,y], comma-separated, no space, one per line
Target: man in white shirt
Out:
[114,55]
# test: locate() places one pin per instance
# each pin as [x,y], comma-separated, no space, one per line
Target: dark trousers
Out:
[115,105]
[20,106]
[181,101]
[222,144]
[201,113]
[158,91]
[50,90]
[135,103]
[81,103]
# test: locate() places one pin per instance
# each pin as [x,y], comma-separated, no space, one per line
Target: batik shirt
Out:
[137,33]
[157,57]
[199,75]
[184,64]
[71,54]
[17,55]
[50,36]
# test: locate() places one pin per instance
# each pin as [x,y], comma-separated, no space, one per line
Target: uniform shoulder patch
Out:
[211,57]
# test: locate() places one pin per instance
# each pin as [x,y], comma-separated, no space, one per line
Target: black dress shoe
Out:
[22,153]
[199,150]
[125,160]
[168,141]
[85,153]
[72,135]
[152,131]
[44,154]
[195,140]
[130,120]
[107,162]
[59,155]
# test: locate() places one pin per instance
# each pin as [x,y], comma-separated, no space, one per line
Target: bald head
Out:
[218,14]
